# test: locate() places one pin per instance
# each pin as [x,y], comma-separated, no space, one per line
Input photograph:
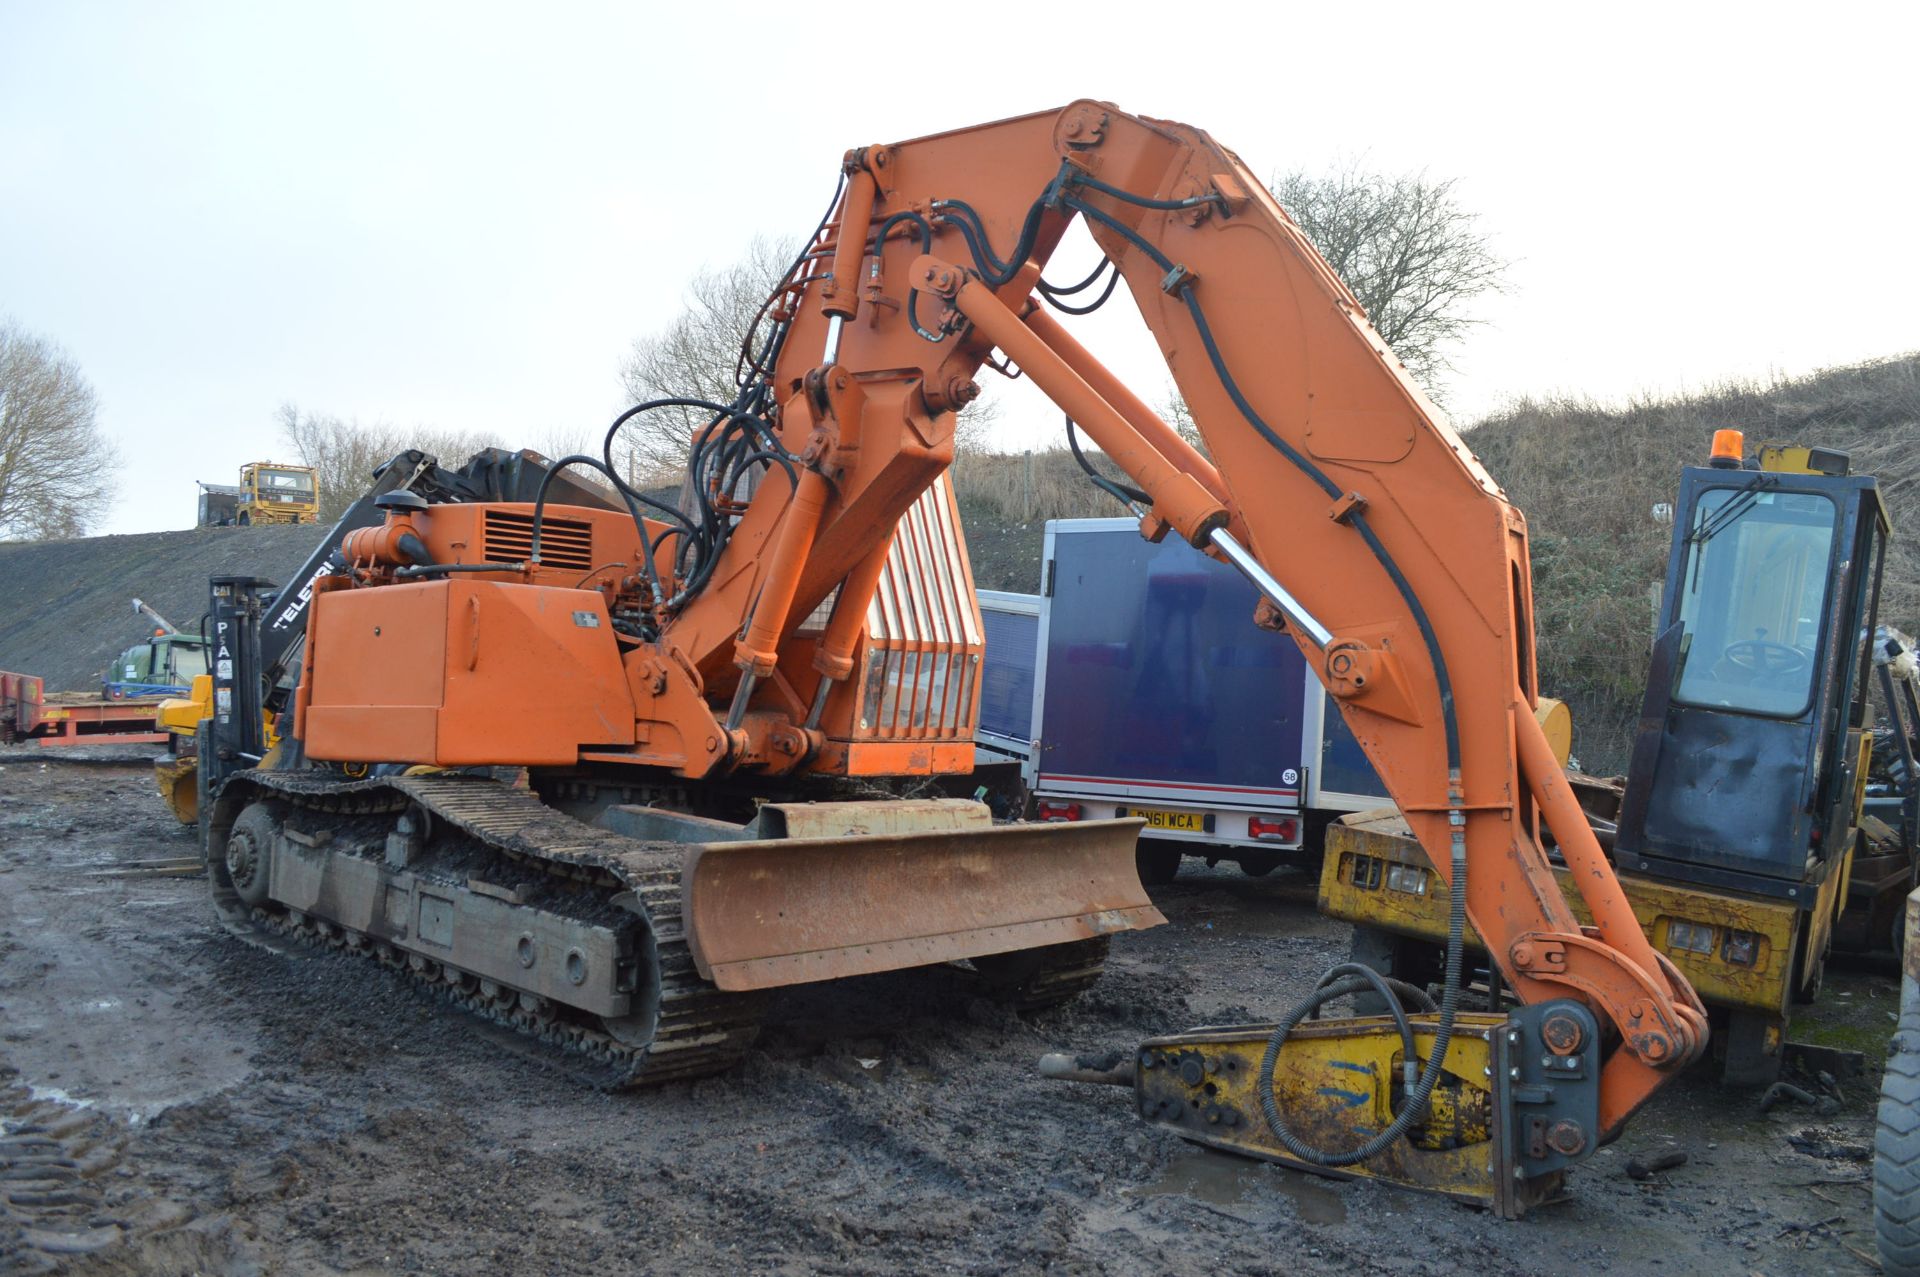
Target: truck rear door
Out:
[1159,695]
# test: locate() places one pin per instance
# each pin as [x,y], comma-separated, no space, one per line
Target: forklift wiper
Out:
[1742,501]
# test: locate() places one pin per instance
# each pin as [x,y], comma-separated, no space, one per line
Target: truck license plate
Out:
[1191,822]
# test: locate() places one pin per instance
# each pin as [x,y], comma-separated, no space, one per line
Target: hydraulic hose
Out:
[648,569]
[1419,1091]
[1422,1089]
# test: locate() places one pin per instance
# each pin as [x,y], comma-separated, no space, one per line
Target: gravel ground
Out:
[173,1100]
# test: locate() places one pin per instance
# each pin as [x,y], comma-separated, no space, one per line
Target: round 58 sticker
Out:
[1290,777]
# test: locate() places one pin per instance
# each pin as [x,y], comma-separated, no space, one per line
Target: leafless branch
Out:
[1410,252]
[57,469]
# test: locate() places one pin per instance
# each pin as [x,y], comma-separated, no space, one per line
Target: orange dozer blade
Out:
[784,911]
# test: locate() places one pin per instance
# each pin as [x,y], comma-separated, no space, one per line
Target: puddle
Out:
[1221,1179]
[1313,1201]
[58,1096]
[39,1094]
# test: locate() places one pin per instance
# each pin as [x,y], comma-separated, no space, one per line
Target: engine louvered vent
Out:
[564,543]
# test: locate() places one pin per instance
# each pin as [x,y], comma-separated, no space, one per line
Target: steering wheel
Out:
[1767,660]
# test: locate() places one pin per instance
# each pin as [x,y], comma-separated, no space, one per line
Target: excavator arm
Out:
[1379,542]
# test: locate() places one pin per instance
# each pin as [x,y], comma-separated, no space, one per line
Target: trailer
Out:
[1155,695]
[29,714]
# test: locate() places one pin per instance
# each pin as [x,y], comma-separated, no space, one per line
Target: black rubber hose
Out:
[1421,1090]
[807,250]
[1456,921]
[650,572]
[886,228]
[1123,493]
[991,268]
[1067,308]
[1068,290]
[1078,178]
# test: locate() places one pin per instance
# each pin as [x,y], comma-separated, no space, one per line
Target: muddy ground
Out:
[173,1100]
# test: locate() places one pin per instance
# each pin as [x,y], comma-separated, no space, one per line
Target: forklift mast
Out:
[1747,765]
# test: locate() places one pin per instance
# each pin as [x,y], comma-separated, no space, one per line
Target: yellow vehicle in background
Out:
[268,492]
[1769,815]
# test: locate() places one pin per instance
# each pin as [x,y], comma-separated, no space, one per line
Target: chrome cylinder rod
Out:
[1276,593]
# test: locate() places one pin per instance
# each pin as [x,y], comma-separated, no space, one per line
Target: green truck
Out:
[163,664]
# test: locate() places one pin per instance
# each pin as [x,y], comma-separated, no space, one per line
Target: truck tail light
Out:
[1059,811]
[1286,829]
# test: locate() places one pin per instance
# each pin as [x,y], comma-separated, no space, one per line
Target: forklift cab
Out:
[1746,766]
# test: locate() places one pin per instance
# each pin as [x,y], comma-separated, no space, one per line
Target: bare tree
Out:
[698,356]
[344,453]
[57,470]
[1406,247]
[973,428]
[1174,411]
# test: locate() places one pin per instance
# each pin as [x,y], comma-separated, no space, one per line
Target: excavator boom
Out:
[1384,547]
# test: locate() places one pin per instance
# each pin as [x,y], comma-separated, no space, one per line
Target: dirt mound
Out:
[66,606]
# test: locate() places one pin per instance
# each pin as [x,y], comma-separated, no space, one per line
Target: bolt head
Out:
[1562,1034]
[1567,1138]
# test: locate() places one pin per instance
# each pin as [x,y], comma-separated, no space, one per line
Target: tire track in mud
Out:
[71,1200]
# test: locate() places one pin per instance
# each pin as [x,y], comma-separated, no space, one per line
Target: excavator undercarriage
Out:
[647,958]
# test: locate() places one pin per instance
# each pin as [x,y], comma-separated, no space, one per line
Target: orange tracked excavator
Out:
[678,683]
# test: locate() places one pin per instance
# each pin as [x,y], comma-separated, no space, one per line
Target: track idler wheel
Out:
[248,858]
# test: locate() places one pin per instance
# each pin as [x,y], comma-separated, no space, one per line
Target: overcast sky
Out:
[462,215]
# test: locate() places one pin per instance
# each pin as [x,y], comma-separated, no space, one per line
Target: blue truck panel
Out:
[1345,773]
[1156,675]
[1155,694]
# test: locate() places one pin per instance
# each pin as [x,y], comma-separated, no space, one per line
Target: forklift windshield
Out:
[1751,598]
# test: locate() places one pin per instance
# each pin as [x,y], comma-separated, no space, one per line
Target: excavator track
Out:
[1035,979]
[507,843]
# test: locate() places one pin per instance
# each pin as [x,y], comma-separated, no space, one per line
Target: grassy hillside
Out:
[1588,477]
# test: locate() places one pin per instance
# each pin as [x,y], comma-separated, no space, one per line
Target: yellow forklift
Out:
[1758,826]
